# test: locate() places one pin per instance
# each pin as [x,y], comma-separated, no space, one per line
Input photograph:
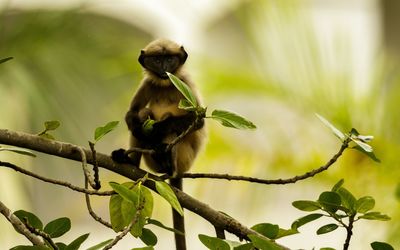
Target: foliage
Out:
[227,119]
[54,229]
[134,203]
[340,205]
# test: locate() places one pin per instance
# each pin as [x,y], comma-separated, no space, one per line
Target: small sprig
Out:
[354,136]
[190,103]
[49,126]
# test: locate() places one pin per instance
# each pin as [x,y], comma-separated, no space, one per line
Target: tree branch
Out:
[70,151]
[275,181]
[20,226]
[56,182]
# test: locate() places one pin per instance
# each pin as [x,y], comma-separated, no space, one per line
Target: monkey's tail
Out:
[179,222]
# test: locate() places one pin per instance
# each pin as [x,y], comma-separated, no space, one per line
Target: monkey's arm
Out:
[177,124]
[137,112]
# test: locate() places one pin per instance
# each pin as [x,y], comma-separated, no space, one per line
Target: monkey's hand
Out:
[177,124]
[135,124]
[119,156]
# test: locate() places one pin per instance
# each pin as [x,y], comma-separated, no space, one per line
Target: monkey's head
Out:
[161,56]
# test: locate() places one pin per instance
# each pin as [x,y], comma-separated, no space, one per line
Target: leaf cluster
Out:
[190,103]
[133,205]
[340,205]
[52,230]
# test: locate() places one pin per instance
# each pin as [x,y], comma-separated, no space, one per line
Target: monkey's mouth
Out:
[163,75]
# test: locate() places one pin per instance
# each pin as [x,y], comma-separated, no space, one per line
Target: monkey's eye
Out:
[169,59]
[158,61]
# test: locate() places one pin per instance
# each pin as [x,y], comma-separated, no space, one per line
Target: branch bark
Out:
[70,151]
[20,226]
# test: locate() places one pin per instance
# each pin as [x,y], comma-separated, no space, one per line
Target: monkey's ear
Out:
[184,55]
[141,57]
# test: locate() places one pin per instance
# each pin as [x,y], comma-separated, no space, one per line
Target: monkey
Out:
[157,99]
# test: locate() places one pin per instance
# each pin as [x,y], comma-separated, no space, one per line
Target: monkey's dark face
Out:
[161,64]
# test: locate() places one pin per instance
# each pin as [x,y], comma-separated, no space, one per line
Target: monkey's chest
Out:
[163,109]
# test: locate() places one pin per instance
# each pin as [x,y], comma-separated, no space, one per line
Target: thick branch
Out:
[70,151]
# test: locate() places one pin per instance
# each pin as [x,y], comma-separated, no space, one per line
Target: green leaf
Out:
[327,248]
[364,146]
[116,217]
[247,246]
[58,227]
[213,243]
[126,193]
[168,194]
[100,245]
[146,199]
[348,199]
[148,237]
[143,248]
[186,105]
[304,220]
[5,59]
[61,246]
[268,230]
[330,201]
[381,246]
[33,220]
[159,224]
[21,151]
[369,154]
[286,232]
[232,120]
[364,204]
[128,211]
[263,244]
[30,248]
[51,125]
[184,89]
[102,131]
[374,216]
[339,134]
[327,229]
[147,126]
[337,185]
[365,138]
[306,205]
[74,245]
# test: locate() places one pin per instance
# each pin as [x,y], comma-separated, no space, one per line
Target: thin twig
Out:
[56,182]
[20,226]
[179,138]
[86,170]
[97,184]
[44,235]
[274,181]
[349,230]
[90,209]
[127,229]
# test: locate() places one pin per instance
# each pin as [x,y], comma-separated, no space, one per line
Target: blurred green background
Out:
[275,62]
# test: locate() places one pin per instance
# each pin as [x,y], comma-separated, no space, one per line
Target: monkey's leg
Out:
[179,221]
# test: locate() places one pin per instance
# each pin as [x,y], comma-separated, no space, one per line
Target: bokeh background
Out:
[276,62]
